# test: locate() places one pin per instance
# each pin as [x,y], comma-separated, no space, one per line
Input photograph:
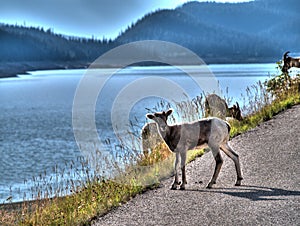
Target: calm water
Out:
[36,135]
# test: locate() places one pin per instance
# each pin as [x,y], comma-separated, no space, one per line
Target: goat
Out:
[289,62]
[150,137]
[216,106]
[212,132]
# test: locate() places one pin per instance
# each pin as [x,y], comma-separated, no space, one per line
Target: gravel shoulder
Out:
[269,195]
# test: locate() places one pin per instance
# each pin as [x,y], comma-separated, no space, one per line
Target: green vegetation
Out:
[275,95]
[98,195]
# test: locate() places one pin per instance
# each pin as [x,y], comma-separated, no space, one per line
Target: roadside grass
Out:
[264,114]
[97,195]
[271,98]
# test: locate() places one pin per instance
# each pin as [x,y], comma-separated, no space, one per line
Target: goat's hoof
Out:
[182,187]
[175,184]
[238,183]
[174,187]
[209,186]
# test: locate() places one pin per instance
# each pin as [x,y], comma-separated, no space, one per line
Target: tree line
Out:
[257,31]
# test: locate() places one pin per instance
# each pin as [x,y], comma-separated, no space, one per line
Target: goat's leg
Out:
[183,160]
[231,154]
[219,162]
[176,182]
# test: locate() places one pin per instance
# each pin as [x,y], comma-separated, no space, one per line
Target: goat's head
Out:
[235,112]
[160,118]
[285,55]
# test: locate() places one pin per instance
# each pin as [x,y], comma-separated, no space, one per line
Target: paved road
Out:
[270,194]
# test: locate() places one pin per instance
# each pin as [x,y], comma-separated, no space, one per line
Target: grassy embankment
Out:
[98,195]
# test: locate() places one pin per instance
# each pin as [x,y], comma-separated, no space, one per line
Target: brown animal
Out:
[216,106]
[207,132]
[150,138]
[289,62]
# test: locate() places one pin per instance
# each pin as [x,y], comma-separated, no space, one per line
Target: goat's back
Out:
[215,106]
[218,130]
[150,136]
[204,131]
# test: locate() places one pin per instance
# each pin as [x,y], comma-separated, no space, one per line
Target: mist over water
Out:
[36,133]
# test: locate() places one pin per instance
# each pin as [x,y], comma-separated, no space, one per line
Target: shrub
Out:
[283,84]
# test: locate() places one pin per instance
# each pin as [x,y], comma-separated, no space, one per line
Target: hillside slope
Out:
[257,31]
[254,31]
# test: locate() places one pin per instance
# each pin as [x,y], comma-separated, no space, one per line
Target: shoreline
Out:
[15,206]
[292,113]
[13,69]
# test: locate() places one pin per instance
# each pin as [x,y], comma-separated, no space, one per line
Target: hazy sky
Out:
[100,18]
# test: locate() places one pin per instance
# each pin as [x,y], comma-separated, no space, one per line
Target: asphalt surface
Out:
[269,195]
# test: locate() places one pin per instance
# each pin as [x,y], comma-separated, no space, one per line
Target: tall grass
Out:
[78,202]
[264,100]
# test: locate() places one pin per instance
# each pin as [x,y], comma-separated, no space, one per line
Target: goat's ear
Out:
[150,116]
[169,112]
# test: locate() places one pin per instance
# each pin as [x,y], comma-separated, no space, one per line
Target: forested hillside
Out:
[19,43]
[257,31]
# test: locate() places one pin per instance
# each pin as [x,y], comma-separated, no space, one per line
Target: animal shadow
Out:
[254,193]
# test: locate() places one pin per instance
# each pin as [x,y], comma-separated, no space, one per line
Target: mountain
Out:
[257,31]
[19,43]
[29,48]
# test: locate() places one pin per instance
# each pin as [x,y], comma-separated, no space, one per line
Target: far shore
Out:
[12,69]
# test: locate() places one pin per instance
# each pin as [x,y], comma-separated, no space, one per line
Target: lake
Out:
[36,133]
